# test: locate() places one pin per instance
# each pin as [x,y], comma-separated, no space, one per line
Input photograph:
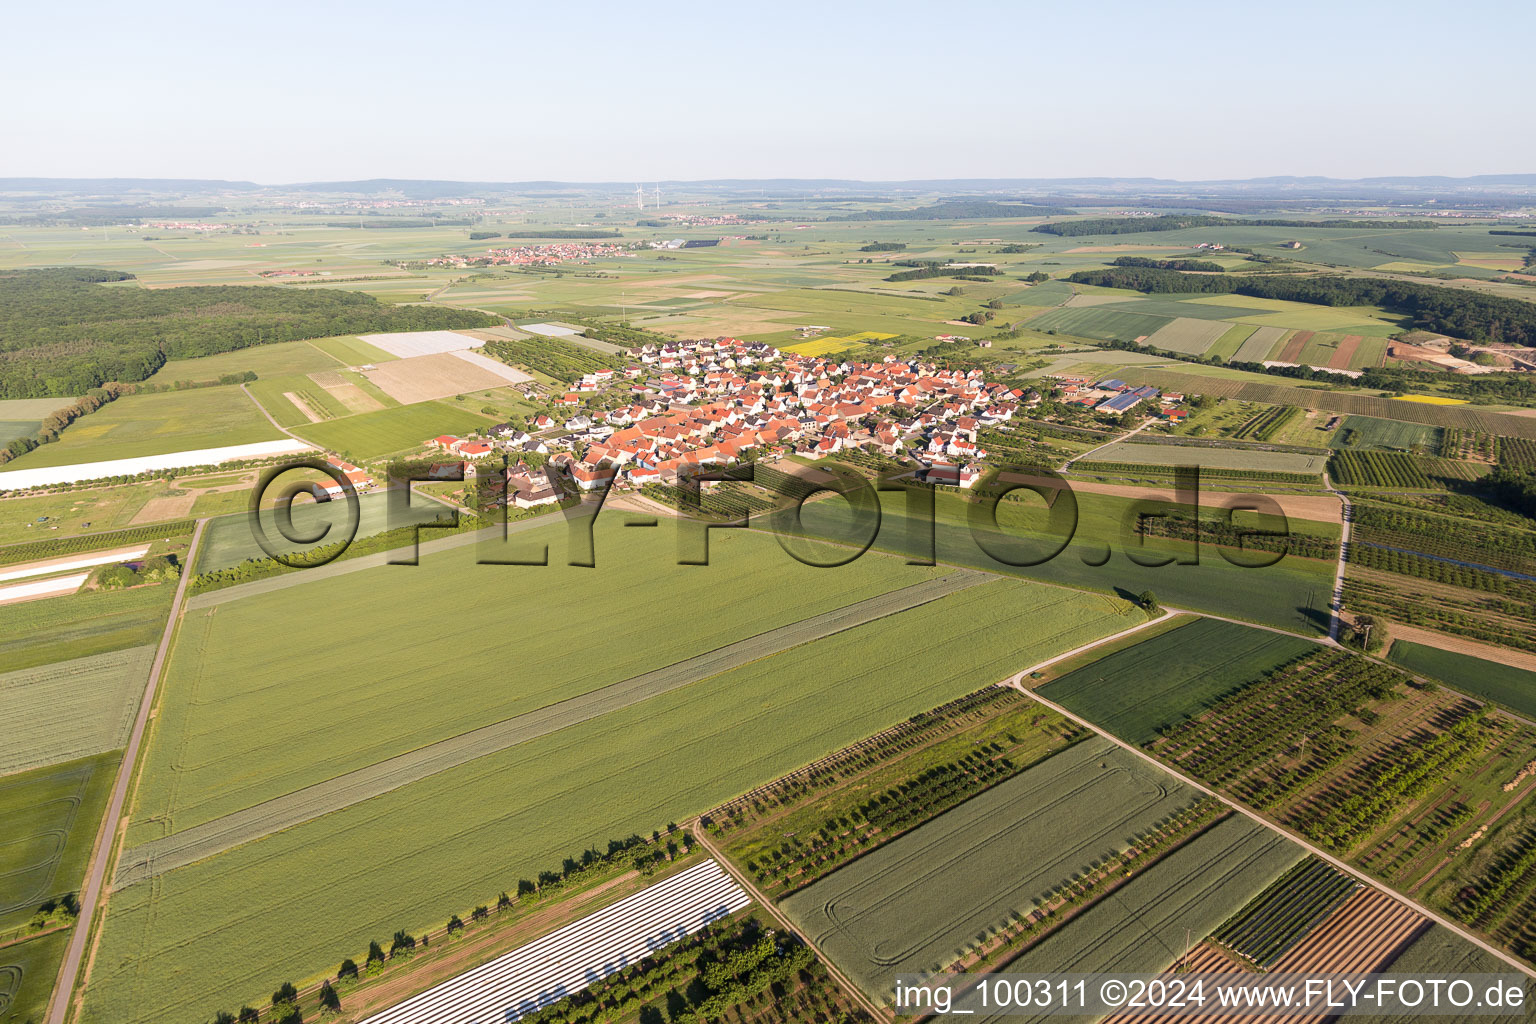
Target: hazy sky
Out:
[505,91]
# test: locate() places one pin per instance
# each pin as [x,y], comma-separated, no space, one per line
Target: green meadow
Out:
[155,424]
[372,435]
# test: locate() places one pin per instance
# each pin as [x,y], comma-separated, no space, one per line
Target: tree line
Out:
[922,269]
[63,334]
[56,421]
[1455,311]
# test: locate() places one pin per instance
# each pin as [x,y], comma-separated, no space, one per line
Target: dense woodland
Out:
[1148,262]
[64,331]
[1458,312]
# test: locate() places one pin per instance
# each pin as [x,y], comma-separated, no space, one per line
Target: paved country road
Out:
[101,853]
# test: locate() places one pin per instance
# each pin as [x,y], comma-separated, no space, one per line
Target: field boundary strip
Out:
[566,961]
[158,856]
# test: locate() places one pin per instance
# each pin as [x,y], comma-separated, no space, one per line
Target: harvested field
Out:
[72,709]
[924,897]
[1258,345]
[1172,677]
[423,378]
[405,344]
[1188,335]
[509,374]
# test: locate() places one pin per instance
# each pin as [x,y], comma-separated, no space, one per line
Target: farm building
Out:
[1128,400]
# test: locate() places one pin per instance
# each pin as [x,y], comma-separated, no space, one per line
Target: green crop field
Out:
[1143,926]
[1209,457]
[1172,305]
[1046,293]
[51,815]
[635,592]
[1368,432]
[1227,346]
[1513,687]
[1262,344]
[27,973]
[155,424]
[371,435]
[196,771]
[263,360]
[72,708]
[919,900]
[452,839]
[79,625]
[230,539]
[1097,322]
[272,393]
[1292,593]
[1188,335]
[1171,677]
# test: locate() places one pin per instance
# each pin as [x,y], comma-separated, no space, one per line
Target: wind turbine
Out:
[657,204]
[639,198]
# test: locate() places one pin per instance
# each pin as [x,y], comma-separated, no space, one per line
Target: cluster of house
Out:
[725,400]
[332,488]
[1117,397]
[531,255]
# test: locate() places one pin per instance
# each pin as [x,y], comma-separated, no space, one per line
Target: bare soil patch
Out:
[423,378]
[303,406]
[1292,351]
[1345,352]
[159,509]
